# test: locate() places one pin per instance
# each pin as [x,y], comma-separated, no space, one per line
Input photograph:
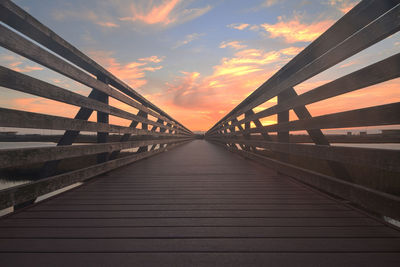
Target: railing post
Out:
[104,118]
[144,127]
[283,117]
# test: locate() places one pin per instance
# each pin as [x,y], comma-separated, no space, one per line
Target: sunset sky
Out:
[195,59]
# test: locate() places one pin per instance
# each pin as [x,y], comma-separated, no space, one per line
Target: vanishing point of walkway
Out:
[196,205]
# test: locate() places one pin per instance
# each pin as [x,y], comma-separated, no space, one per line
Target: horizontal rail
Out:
[384,159]
[20,20]
[17,157]
[373,116]
[26,192]
[16,43]
[383,26]
[381,71]
[24,119]
[24,83]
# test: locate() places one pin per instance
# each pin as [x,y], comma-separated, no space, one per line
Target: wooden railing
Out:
[48,49]
[367,177]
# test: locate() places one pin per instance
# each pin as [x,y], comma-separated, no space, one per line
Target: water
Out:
[13,145]
[391,146]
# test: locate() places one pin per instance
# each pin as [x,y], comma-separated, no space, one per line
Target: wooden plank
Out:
[71,207]
[187,214]
[372,116]
[200,232]
[203,245]
[184,222]
[384,159]
[255,259]
[24,119]
[17,157]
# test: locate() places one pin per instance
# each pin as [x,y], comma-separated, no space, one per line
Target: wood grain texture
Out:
[195,205]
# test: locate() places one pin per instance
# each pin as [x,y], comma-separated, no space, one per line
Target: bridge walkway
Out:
[196,205]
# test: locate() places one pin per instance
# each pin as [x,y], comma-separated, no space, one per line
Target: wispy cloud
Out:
[188,39]
[107,24]
[165,13]
[133,73]
[294,30]
[154,59]
[291,51]
[85,14]
[238,26]
[343,6]
[18,63]
[269,3]
[234,44]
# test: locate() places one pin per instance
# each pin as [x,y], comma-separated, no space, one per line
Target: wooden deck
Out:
[196,205]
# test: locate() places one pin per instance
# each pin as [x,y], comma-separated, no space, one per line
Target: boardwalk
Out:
[199,205]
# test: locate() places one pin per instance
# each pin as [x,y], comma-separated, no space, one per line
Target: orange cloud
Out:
[18,63]
[154,59]
[168,12]
[233,44]
[199,101]
[294,31]
[132,73]
[343,5]
[291,51]
[44,106]
[188,39]
[84,14]
[107,24]
[158,14]
[239,26]
[380,94]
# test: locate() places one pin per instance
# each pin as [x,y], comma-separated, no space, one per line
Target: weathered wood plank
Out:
[372,116]
[17,157]
[199,232]
[385,159]
[203,245]
[24,119]
[195,222]
[256,259]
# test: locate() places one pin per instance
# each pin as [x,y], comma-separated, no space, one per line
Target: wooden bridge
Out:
[272,202]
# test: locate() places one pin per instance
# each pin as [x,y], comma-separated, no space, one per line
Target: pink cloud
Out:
[18,63]
[239,26]
[157,14]
[107,24]
[294,30]
[133,72]
[343,6]
[166,13]
[234,44]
